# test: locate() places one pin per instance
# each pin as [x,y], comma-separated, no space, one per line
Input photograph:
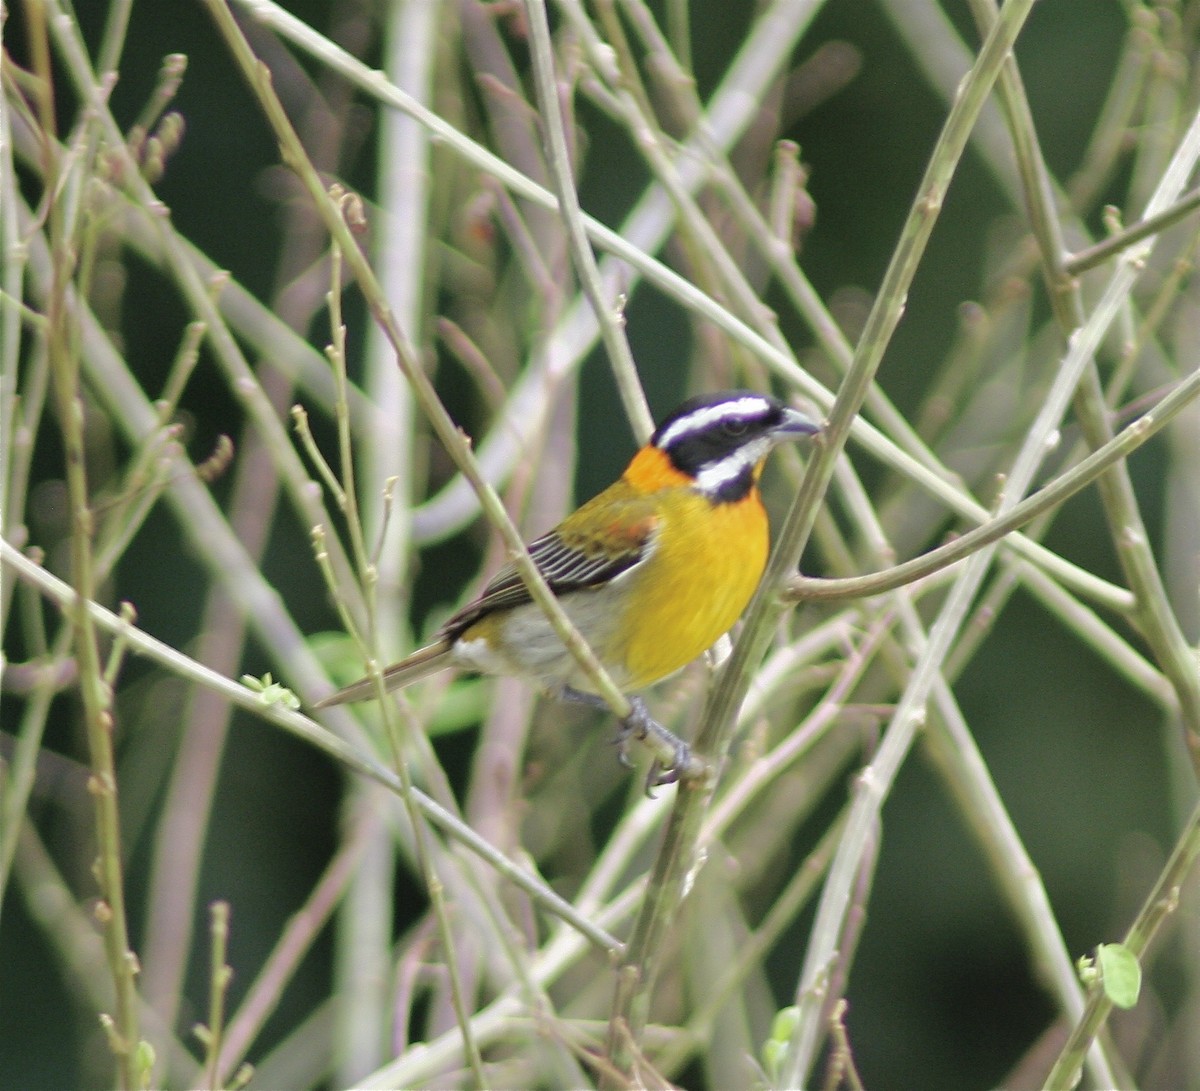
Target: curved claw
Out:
[639,724]
[621,742]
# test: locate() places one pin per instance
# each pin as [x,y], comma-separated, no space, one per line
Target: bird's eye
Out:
[734,428]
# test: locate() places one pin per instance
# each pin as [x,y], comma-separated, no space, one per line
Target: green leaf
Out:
[774,1049]
[338,654]
[143,1061]
[464,705]
[1120,974]
[772,1055]
[783,1026]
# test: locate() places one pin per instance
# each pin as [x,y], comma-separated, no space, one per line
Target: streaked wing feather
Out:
[565,566]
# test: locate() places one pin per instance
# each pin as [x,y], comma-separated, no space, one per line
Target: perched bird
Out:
[652,571]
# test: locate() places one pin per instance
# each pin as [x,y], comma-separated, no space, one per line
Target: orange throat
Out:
[652,469]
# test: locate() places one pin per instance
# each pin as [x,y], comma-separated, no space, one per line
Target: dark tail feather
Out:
[422,662]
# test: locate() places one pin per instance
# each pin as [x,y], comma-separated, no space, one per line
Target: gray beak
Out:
[794,425]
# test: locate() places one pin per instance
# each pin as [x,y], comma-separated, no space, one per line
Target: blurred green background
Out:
[942,994]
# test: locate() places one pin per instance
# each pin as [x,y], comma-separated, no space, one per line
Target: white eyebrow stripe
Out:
[699,419]
[715,474]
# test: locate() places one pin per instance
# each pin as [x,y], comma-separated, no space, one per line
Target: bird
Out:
[652,571]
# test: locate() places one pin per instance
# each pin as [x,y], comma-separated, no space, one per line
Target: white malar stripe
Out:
[715,474]
[700,419]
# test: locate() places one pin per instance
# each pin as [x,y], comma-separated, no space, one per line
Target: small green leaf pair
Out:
[271,692]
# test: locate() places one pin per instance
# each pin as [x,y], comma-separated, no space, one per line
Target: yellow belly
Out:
[705,567]
[646,624]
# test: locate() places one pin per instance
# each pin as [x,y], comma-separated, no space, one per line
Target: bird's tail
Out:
[424,661]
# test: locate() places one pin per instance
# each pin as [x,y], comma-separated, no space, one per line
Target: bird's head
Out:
[720,440]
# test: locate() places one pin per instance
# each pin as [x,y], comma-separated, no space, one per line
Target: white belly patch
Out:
[536,652]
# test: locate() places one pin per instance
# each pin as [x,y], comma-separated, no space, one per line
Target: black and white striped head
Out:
[720,440]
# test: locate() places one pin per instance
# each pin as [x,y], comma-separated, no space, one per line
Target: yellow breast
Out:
[705,564]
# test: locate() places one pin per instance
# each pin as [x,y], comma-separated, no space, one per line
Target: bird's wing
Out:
[607,536]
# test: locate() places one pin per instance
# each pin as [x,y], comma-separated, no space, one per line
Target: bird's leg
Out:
[639,724]
[673,758]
